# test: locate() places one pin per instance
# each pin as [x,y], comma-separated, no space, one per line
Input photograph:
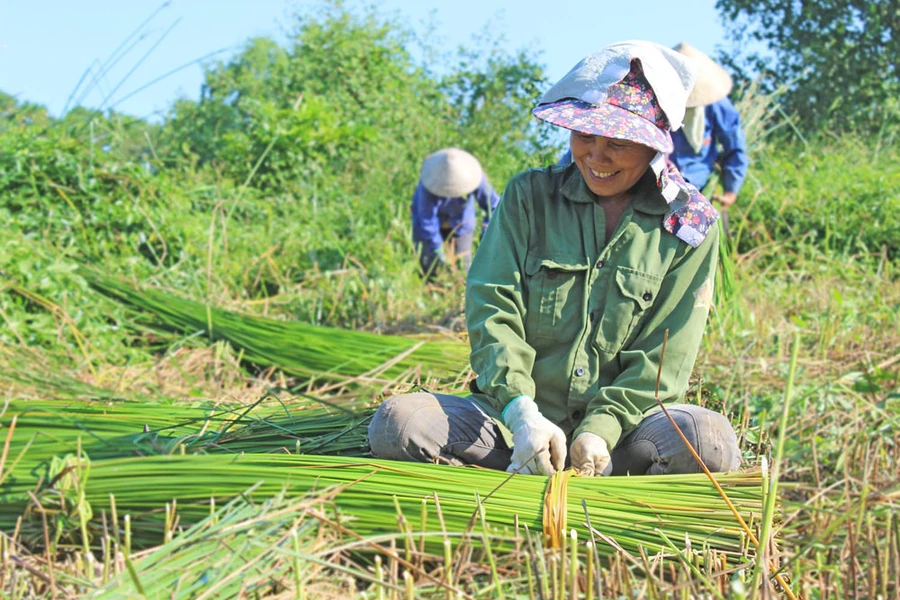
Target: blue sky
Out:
[47,46]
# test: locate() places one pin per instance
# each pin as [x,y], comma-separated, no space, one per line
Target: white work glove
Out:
[539,446]
[590,455]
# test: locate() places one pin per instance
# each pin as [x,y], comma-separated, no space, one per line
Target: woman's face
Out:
[610,167]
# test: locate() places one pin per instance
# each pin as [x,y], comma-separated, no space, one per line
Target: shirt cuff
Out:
[503,412]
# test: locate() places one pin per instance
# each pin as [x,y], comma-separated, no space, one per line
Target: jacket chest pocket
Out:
[627,300]
[555,298]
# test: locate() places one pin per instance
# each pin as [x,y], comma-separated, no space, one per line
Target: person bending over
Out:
[443,208]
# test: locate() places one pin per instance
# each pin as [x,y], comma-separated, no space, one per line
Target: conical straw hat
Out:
[451,173]
[713,82]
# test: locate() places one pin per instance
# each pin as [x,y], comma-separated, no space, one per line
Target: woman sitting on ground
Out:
[582,272]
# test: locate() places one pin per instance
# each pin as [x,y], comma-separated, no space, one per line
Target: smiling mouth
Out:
[602,174]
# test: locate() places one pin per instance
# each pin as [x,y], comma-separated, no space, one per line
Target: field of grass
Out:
[194,427]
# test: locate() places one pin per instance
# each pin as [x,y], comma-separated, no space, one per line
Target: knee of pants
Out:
[390,426]
[711,435]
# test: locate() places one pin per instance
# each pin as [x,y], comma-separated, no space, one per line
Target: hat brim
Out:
[605,120]
[713,82]
[451,173]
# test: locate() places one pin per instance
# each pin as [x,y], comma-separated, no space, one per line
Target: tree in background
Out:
[837,57]
[489,87]
[345,99]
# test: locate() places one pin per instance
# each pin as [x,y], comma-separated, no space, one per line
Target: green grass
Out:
[839,446]
[840,196]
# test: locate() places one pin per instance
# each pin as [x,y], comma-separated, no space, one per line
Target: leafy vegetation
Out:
[841,197]
[282,196]
[838,59]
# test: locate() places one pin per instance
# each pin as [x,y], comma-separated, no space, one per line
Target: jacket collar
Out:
[688,216]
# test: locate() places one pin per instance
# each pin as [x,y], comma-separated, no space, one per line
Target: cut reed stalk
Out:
[303,350]
[771,491]
[243,546]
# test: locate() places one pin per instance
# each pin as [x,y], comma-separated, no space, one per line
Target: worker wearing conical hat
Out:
[711,135]
[443,208]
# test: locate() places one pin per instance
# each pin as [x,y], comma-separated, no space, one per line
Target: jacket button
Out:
[647,296]
[576,416]
[600,264]
[579,371]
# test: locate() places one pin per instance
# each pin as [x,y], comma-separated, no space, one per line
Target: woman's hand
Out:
[539,446]
[726,199]
[590,455]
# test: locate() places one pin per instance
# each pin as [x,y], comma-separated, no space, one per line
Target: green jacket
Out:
[556,312]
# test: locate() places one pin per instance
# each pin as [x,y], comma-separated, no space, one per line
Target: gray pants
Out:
[423,427]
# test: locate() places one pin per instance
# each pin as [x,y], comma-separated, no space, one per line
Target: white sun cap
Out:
[451,173]
[670,74]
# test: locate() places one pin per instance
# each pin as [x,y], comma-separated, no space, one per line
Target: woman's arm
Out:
[487,199]
[495,303]
[425,221]
[727,131]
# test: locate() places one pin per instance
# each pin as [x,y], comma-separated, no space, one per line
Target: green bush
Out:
[840,195]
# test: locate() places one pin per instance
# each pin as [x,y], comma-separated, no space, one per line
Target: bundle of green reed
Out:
[299,349]
[45,429]
[309,430]
[371,496]
[35,431]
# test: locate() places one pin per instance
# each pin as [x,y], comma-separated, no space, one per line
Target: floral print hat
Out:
[630,112]
[636,91]
[632,91]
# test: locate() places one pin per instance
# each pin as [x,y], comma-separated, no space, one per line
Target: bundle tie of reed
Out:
[555,514]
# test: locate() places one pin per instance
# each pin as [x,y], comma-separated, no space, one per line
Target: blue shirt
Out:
[432,213]
[723,128]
